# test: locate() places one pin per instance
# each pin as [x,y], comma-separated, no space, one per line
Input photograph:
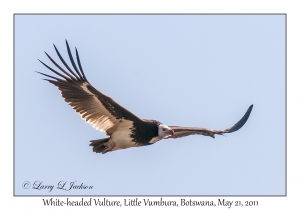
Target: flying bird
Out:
[123,127]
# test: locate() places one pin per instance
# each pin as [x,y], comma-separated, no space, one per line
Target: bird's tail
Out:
[98,145]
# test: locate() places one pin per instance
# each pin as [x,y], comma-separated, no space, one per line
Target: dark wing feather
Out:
[186,131]
[101,111]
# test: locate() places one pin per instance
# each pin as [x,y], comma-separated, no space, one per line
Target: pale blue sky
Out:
[189,70]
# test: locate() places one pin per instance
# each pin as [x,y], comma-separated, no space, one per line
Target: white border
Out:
[153,6]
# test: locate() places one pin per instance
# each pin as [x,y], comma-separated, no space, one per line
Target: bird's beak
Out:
[171,132]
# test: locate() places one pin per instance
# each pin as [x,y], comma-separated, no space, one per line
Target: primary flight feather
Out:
[124,128]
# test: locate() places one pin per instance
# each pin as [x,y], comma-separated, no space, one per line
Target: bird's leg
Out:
[109,147]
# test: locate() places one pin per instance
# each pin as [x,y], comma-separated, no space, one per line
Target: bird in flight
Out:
[123,127]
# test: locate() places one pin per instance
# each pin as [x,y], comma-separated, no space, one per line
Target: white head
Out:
[164,131]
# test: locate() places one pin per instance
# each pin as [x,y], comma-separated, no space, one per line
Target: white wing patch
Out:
[92,111]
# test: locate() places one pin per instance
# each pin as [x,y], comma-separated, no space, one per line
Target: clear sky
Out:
[189,70]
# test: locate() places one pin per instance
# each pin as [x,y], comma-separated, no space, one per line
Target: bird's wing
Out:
[186,131]
[101,111]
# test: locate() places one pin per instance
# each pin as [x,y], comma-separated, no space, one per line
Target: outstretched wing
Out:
[186,131]
[101,111]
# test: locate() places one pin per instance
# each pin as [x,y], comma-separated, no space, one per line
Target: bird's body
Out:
[124,128]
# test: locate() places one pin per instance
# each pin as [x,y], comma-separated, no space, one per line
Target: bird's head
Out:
[164,131]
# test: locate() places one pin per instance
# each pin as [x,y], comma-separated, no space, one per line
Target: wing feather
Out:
[99,110]
[186,131]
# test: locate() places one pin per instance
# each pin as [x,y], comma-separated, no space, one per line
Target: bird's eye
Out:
[164,129]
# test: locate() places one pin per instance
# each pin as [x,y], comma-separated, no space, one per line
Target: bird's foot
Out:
[109,148]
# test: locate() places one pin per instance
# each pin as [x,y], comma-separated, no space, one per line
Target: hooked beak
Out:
[171,132]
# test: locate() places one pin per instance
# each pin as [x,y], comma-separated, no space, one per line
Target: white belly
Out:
[121,137]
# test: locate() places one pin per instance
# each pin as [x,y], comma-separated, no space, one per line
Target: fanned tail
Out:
[98,145]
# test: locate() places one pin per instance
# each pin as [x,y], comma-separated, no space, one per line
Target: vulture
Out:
[123,128]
